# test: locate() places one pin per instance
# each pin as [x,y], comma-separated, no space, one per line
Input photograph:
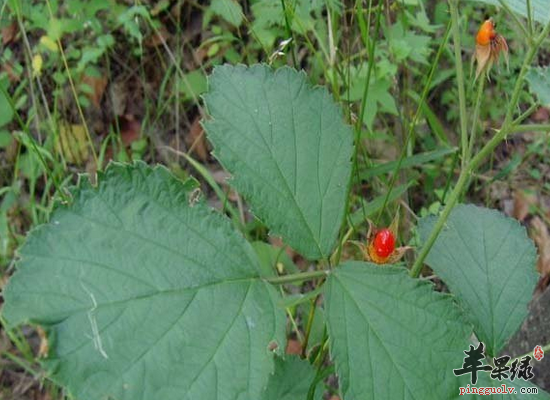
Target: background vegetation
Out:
[86,82]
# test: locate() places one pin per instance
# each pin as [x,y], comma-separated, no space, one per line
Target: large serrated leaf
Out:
[488,262]
[539,8]
[391,334]
[288,149]
[146,295]
[539,83]
[292,380]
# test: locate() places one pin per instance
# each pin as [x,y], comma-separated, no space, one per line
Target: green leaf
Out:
[230,10]
[539,8]
[288,149]
[407,162]
[539,83]
[146,294]
[274,259]
[291,380]
[368,209]
[6,112]
[193,84]
[488,262]
[390,334]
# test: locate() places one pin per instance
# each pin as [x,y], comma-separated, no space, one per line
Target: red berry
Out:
[384,243]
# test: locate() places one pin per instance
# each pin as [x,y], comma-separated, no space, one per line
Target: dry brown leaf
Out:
[44,348]
[539,233]
[8,33]
[522,204]
[293,346]
[98,86]
[12,74]
[541,115]
[130,129]
[72,143]
[196,141]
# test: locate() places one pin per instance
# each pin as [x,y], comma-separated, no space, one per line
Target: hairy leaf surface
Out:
[288,149]
[390,334]
[488,262]
[146,295]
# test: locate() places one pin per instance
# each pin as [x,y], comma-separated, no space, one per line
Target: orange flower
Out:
[489,45]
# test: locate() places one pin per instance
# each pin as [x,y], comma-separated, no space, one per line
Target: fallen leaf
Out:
[293,347]
[539,233]
[130,129]
[12,74]
[541,115]
[72,143]
[8,33]
[44,348]
[196,141]
[119,97]
[157,37]
[98,86]
[521,206]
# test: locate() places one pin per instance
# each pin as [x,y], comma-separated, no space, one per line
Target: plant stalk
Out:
[301,276]
[473,132]
[472,165]
[453,6]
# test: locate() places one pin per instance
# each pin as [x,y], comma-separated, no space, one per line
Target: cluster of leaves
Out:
[146,292]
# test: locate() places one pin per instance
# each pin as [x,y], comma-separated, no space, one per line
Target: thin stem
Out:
[453,5]
[75,95]
[477,106]
[530,128]
[301,276]
[414,121]
[34,146]
[312,309]
[520,25]
[369,70]
[525,114]
[289,33]
[451,202]
[544,349]
[530,18]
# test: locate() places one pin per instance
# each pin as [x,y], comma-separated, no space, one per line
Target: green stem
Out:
[516,20]
[544,349]
[414,121]
[302,276]
[309,325]
[523,116]
[530,128]
[453,6]
[453,197]
[473,132]
[34,146]
[529,18]
[472,165]
[289,33]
